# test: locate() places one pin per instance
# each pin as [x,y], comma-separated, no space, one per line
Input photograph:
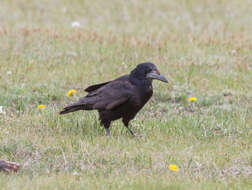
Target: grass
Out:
[203,48]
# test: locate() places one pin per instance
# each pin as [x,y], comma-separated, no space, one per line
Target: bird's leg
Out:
[108,132]
[126,123]
[106,125]
[131,131]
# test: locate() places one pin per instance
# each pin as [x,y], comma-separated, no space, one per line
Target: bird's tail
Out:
[73,108]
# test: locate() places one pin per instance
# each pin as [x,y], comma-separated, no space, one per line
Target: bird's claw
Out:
[139,136]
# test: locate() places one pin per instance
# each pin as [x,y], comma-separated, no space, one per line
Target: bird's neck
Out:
[142,84]
[137,78]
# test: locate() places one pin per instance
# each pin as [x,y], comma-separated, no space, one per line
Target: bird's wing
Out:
[109,96]
[96,86]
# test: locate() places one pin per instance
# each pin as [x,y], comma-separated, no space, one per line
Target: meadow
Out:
[204,48]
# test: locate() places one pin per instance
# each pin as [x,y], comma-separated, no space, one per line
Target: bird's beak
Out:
[156,75]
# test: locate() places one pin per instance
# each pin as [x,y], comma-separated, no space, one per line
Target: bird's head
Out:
[147,71]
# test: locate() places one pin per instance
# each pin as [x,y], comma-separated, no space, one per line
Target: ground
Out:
[202,47]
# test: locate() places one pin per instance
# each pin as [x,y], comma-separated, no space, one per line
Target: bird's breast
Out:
[141,98]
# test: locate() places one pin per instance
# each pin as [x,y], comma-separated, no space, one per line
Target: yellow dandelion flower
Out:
[192,99]
[41,106]
[71,92]
[173,167]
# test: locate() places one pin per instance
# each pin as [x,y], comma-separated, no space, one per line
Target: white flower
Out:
[75,24]
[64,9]
[8,73]
[2,111]
[234,52]
[75,173]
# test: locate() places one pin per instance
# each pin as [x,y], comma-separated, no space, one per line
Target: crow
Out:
[119,98]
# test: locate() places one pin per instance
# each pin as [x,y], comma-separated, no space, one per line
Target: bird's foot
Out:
[139,136]
[9,167]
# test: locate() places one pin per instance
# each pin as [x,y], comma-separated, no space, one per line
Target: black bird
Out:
[120,98]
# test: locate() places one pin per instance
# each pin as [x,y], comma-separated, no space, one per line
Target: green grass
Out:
[202,47]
